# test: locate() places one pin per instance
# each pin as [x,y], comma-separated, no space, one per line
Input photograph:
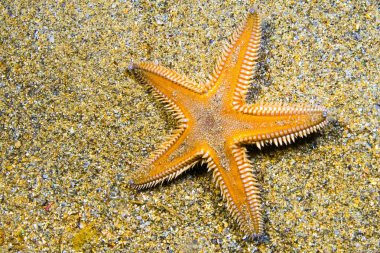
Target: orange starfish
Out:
[215,123]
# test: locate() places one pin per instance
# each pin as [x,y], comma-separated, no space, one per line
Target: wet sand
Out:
[74,127]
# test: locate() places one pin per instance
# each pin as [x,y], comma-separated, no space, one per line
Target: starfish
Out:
[215,123]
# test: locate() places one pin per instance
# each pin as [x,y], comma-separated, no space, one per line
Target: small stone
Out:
[51,38]
[18,144]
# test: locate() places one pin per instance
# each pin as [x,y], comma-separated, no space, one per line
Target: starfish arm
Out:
[174,157]
[267,109]
[172,89]
[239,186]
[165,79]
[281,126]
[234,68]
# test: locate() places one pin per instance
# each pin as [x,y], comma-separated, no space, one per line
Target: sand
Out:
[74,126]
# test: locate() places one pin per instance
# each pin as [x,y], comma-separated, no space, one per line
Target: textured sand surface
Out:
[74,126]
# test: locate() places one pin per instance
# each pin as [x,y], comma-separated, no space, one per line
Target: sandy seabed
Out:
[74,126]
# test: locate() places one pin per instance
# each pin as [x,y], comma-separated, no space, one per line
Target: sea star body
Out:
[215,123]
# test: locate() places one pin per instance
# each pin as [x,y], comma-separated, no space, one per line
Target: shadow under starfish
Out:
[215,124]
